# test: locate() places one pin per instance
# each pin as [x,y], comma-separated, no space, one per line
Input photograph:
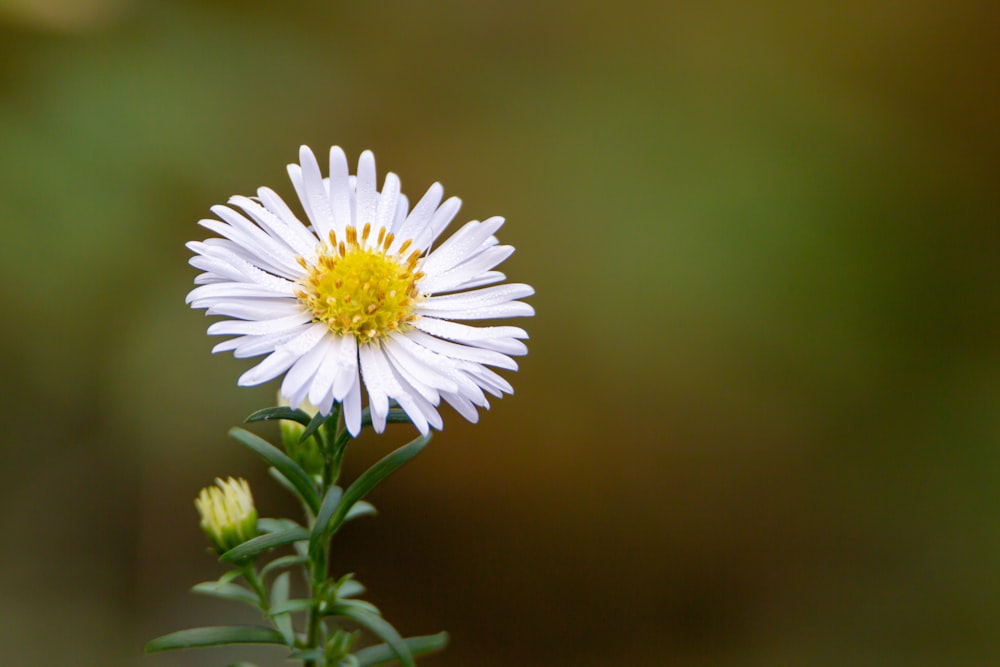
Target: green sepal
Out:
[282,562]
[378,626]
[285,465]
[280,412]
[419,646]
[279,596]
[326,510]
[262,543]
[292,606]
[360,509]
[371,477]
[227,591]
[215,636]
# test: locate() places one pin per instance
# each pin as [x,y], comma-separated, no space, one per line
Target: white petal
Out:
[488,278]
[318,198]
[417,222]
[462,352]
[501,339]
[257,327]
[387,204]
[200,296]
[443,217]
[274,216]
[352,407]
[465,271]
[382,384]
[347,372]
[263,249]
[462,243]
[462,406]
[283,356]
[365,201]
[375,380]
[299,238]
[402,210]
[420,410]
[411,383]
[421,372]
[511,309]
[453,369]
[297,381]
[488,296]
[255,309]
[253,346]
[322,384]
[341,198]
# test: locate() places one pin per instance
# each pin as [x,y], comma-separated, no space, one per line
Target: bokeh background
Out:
[759,421]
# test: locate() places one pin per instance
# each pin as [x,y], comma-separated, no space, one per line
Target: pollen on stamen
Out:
[366,292]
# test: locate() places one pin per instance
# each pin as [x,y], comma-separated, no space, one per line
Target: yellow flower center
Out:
[361,291]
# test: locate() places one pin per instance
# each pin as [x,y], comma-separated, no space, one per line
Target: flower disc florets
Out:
[366,292]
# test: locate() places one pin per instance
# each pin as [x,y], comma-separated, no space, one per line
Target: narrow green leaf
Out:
[326,510]
[312,426]
[215,636]
[419,646]
[279,589]
[360,509]
[360,605]
[269,525]
[315,654]
[371,477]
[350,589]
[283,481]
[280,412]
[379,627]
[233,592]
[232,575]
[282,562]
[264,542]
[279,596]
[286,466]
[292,606]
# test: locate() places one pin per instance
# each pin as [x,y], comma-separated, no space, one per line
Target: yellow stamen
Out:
[362,291]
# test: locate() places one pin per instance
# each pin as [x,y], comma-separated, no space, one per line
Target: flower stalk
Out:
[226,509]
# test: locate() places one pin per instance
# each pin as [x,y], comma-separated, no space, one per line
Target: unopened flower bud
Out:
[306,454]
[228,515]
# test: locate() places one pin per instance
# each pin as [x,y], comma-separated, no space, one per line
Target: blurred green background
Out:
[759,421]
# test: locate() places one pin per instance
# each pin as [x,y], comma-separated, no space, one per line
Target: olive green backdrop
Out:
[759,423]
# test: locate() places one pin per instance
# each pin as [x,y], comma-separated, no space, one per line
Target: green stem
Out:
[333,444]
[250,574]
[314,620]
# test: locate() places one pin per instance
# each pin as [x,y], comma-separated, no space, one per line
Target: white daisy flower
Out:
[362,295]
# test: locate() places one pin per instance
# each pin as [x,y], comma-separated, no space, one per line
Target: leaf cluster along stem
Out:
[314,481]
